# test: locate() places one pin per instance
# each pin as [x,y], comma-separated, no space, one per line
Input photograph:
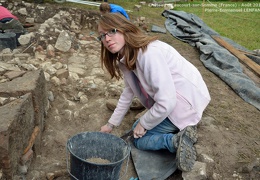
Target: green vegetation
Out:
[238,21]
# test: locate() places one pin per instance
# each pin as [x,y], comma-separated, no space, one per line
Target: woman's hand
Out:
[107,128]
[139,131]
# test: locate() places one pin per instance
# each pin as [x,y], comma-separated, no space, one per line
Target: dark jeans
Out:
[160,137]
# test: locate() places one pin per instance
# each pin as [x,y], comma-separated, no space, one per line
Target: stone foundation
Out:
[25,110]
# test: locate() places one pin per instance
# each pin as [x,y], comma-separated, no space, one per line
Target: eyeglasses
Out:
[109,33]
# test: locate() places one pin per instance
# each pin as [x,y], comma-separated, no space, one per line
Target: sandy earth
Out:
[229,132]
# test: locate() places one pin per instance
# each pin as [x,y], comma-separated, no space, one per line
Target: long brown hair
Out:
[135,40]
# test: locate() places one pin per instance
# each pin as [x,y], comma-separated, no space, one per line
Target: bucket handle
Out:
[67,159]
[128,149]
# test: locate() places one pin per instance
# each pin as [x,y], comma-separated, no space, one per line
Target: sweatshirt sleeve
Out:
[123,105]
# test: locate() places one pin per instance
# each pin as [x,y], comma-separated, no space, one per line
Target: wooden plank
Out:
[241,56]
[248,53]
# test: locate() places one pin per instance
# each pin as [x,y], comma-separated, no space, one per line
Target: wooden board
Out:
[241,56]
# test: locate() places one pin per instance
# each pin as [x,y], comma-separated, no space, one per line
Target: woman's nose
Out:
[107,38]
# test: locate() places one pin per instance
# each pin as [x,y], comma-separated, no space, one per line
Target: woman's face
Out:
[113,40]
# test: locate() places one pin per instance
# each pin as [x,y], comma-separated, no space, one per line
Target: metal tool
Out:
[127,135]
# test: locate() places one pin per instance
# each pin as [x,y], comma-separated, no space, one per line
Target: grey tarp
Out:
[155,165]
[189,28]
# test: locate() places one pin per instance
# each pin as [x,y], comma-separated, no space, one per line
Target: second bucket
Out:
[89,145]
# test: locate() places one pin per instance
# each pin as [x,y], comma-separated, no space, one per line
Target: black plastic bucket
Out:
[8,40]
[17,32]
[89,145]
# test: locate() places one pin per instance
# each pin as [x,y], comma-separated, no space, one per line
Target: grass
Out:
[242,27]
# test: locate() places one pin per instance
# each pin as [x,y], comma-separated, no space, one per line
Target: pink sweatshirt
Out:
[5,13]
[175,87]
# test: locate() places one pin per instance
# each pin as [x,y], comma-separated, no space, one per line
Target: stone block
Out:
[7,57]
[14,74]
[16,127]
[199,172]
[31,82]
[62,73]
[137,7]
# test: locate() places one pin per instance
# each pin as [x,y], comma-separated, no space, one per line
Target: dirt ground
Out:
[229,132]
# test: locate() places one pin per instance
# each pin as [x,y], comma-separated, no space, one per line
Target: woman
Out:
[168,85]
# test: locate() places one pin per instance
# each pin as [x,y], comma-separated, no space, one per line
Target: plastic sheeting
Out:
[189,28]
[155,165]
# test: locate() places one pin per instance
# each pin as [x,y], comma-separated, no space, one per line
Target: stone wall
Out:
[25,110]
[23,86]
